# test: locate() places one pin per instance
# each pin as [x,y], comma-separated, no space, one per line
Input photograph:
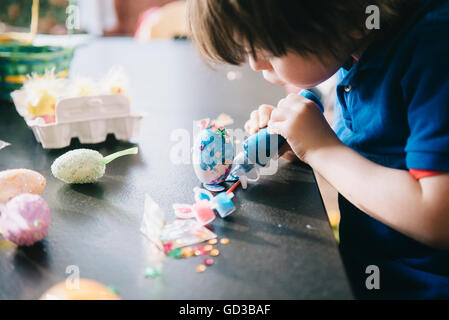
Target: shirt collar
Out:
[379,51]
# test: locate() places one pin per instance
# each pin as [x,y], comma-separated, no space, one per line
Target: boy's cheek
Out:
[272,78]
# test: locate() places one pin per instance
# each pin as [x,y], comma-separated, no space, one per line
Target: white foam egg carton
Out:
[90,119]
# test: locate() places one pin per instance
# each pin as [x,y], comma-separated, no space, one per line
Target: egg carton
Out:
[90,119]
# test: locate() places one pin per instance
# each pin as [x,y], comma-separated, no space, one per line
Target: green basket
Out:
[17,61]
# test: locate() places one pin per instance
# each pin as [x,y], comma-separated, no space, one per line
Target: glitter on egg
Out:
[18,220]
[84,165]
[15,182]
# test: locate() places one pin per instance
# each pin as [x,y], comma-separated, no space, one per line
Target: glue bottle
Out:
[258,149]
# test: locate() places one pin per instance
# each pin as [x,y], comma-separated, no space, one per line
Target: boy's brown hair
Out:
[227,30]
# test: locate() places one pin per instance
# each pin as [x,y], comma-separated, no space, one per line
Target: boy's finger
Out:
[277,115]
[248,126]
[264,115]
[273,127]
[288,100]
[281,102]
[254,116]
[251,126]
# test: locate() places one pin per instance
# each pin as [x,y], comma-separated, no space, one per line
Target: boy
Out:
[388,155]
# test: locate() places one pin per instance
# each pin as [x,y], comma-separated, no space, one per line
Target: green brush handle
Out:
[119,154]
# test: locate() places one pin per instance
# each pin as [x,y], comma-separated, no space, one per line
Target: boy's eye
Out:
[264,55]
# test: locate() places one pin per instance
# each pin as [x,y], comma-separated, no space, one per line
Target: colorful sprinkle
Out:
[177,253]
[113,289]
[200,250]
[200,268]
[208,261]
[214,252]
[187,252]
[152,273]
[208,247]
[168,247]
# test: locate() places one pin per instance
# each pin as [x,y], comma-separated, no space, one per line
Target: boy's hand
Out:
[302,124]
[259,119]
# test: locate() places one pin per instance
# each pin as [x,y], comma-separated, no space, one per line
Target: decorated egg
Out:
[18,181]
[25,219]
[84,165]
[83,289]
[79,166]
[212,155]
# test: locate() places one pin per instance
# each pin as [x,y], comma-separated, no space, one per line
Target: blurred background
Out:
[96,17]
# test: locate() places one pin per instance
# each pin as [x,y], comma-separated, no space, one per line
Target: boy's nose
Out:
[259,64]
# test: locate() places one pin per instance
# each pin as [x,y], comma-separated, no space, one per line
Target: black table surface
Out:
[282,246]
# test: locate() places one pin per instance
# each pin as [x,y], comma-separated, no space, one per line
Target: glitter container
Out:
[223,204]
[203,212]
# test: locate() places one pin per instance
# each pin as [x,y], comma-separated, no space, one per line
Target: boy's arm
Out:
[417,208]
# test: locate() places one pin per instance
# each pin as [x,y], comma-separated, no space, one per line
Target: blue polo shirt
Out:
[393,108]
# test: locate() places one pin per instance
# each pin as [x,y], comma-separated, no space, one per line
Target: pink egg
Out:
[25,219]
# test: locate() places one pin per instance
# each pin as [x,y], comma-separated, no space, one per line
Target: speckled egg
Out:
[212,155]
[25,219]
[79,166]
[18,181]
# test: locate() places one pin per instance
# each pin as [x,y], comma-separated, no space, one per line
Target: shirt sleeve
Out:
[420,174]
[425,88]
